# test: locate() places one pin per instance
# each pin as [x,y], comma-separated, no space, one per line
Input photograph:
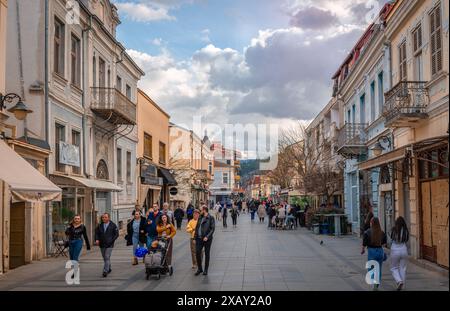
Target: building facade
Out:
[84,99]
[154,177]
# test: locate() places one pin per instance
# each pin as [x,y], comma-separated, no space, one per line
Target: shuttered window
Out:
[402,59]
[417,38]
[436,40]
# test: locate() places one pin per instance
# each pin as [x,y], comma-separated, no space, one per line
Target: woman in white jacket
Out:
[399,251]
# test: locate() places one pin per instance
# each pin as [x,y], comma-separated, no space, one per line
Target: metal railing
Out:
[103,99]
[406,98]
[352,134]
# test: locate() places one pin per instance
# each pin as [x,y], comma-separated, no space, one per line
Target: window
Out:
[147,146]
[417,51]
[362,109]
[436,40]
[94,71]
[353,113]
[119,83]
[101,72]
[128,91]
[119,164]
[75,62]
[162,153]
[380,93]
[58,56]
[402,61]
[128,166]
[372,101]
[76,141]
[225,178]
[349,116]
[60,134]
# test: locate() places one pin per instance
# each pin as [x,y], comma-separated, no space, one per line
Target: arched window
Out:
[102,170]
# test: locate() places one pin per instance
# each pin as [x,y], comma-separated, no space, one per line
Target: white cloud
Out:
[141,12]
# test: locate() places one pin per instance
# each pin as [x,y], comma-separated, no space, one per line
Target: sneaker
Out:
[399,286]
[104,274]
[198,272]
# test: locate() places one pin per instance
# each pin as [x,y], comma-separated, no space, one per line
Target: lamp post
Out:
[20,110]
[379,146]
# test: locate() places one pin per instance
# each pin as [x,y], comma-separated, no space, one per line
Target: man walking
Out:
[203,239]
[179,214]
[150,228]
[167,211]
[105,236]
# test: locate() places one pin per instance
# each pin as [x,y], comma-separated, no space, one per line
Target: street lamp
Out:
[378,148]
[20,110]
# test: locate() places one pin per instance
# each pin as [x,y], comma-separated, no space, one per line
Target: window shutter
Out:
[436,40]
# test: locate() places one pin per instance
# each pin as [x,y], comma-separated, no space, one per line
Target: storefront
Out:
[89,198]
[149,184]
[24,192]
[168,181]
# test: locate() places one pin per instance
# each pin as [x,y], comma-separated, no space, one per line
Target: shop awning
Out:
[167,177]
[383,159]
[144,190]
[25,182]
[102,185]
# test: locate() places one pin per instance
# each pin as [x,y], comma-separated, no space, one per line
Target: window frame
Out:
[58,46]
[436,31]
[75,169]
[403,63]
[148,137]
[75,61]
[162,147]
[59,167]
[128,166]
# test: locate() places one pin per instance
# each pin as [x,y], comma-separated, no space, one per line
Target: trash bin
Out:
[316,228]
[324,228]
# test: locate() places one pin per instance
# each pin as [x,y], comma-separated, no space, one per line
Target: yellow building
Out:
[154,177]
[416,111]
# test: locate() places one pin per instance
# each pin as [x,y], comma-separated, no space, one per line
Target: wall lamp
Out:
[20,110]
[382,141]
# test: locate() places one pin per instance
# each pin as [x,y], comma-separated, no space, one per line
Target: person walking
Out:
[106,234]
[167,211]
[217,210]
[189,211]
[150,228]
[166,230]
[374,239]
[261,213]
[136,235]
[76,232]
[253,207]
[225,216]
[190,228]
[399,251]
[179,214]
[271,213]
[203,239]
[244,207]
[234,212]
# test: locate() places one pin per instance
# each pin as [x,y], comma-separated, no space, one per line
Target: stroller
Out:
[155,261]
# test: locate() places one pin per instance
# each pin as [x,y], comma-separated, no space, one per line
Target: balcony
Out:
[112,105]
[406,104]
[352,139]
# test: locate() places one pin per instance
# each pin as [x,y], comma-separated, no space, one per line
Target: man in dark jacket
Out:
[152,220]
[179,214]
[105,236]
[203,239]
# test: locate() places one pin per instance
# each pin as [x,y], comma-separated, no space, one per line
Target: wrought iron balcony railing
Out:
[113,106]
[406,103]
[352,139]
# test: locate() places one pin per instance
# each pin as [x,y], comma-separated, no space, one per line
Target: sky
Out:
[241,61]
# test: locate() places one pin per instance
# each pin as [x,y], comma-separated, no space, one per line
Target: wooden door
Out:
[434,212]
[17,236]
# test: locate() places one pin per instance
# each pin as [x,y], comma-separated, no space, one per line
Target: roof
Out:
[140,91]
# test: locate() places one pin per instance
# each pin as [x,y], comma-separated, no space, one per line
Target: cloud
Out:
[140,12]
[205,35]
[314,18]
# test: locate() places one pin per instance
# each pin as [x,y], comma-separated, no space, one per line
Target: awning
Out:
[96,184]
[25,182]
[167,177]
[383,159]
[144,190]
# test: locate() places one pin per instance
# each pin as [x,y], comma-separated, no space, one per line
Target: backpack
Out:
[153,259]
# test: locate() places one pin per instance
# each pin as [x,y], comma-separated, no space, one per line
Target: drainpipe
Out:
[85,89]
[46,114]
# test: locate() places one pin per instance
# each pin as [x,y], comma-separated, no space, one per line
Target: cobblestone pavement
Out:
[250,257]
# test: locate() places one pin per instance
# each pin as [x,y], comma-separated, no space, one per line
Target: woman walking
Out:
[136,233]
[374,239]
[234,215]
[399,251]
[76,232]
[167,230]
[190,228]
[261,213]
[225,216]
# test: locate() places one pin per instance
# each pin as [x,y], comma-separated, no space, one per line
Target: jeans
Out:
[136,244]
[150,239]
[252,215]
[199,245]
[179,222]
[288,219]
[399,259]
[234,218]
[376,254]
[75,247]
[106,254]
[225,222]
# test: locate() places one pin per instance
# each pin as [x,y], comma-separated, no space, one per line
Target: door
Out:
[387,212]
[434,221]
[17,236]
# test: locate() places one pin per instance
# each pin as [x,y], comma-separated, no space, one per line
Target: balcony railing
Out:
[406,103]
[112,105]
[352,139]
